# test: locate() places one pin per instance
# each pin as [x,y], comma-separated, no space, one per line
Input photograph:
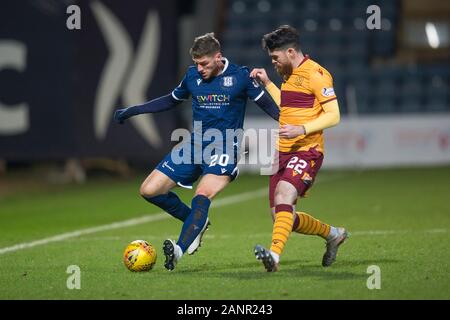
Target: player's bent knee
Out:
[280,195]
[148,191]
[284,198]
[285,193]
[206,193]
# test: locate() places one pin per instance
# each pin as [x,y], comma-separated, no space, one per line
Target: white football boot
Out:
[332,247]
[269,259]
[198,240]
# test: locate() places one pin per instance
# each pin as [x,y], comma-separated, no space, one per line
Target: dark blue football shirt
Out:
[220,102]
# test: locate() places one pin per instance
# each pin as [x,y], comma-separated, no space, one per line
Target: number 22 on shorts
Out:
[297,164]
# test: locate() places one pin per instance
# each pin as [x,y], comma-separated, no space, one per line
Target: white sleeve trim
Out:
[176,98]
[259,96]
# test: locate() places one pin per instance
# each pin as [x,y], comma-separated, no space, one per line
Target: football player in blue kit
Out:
[219,91]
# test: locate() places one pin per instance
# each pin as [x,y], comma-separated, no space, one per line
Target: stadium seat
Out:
[437,106]
[436,95]
[410,105]
[362,98]
[385,96]
[309,41]
[382,42]
[411,88]
[234,37]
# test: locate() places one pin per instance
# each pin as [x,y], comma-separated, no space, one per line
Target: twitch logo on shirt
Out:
[213,101]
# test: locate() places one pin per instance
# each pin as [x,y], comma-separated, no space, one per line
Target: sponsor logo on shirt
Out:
[214,98]
[214,101]
[328,92]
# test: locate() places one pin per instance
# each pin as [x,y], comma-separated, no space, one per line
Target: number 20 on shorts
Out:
[222,160]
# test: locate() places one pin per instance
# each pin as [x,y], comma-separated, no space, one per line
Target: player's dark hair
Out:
[205,45]
[282,38]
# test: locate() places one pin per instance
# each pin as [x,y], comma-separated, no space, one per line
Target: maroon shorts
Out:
[298,168]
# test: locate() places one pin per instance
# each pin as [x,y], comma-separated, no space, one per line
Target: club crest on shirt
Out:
[299,81]
[227,81]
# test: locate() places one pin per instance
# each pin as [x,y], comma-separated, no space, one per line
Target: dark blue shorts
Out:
[187,172]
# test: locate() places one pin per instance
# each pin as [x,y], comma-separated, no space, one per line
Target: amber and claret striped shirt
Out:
[303,94]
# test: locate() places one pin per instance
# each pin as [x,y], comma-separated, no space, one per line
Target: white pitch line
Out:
[130,222]
[148,218]
[388,232]
[269,234]
[77,233]
[239,198]
[352,233]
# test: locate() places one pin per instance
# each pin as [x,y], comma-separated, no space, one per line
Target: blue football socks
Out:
[171,204]
[194,222]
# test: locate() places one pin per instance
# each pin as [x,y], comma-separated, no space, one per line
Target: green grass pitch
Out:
[398,219]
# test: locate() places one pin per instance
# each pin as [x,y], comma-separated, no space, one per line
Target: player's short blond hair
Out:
[205,45]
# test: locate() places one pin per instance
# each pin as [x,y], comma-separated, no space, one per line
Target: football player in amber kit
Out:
[308,105]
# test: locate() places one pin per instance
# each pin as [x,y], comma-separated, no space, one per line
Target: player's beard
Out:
[285,70]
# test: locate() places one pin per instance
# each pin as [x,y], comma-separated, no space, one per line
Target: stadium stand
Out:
[334,33]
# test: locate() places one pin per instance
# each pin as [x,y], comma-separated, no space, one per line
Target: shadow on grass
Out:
[341,270]
[366,263]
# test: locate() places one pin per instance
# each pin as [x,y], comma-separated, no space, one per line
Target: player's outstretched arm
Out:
[261,76]
[156,105]
[329,118]
[268,106]
[322,87]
